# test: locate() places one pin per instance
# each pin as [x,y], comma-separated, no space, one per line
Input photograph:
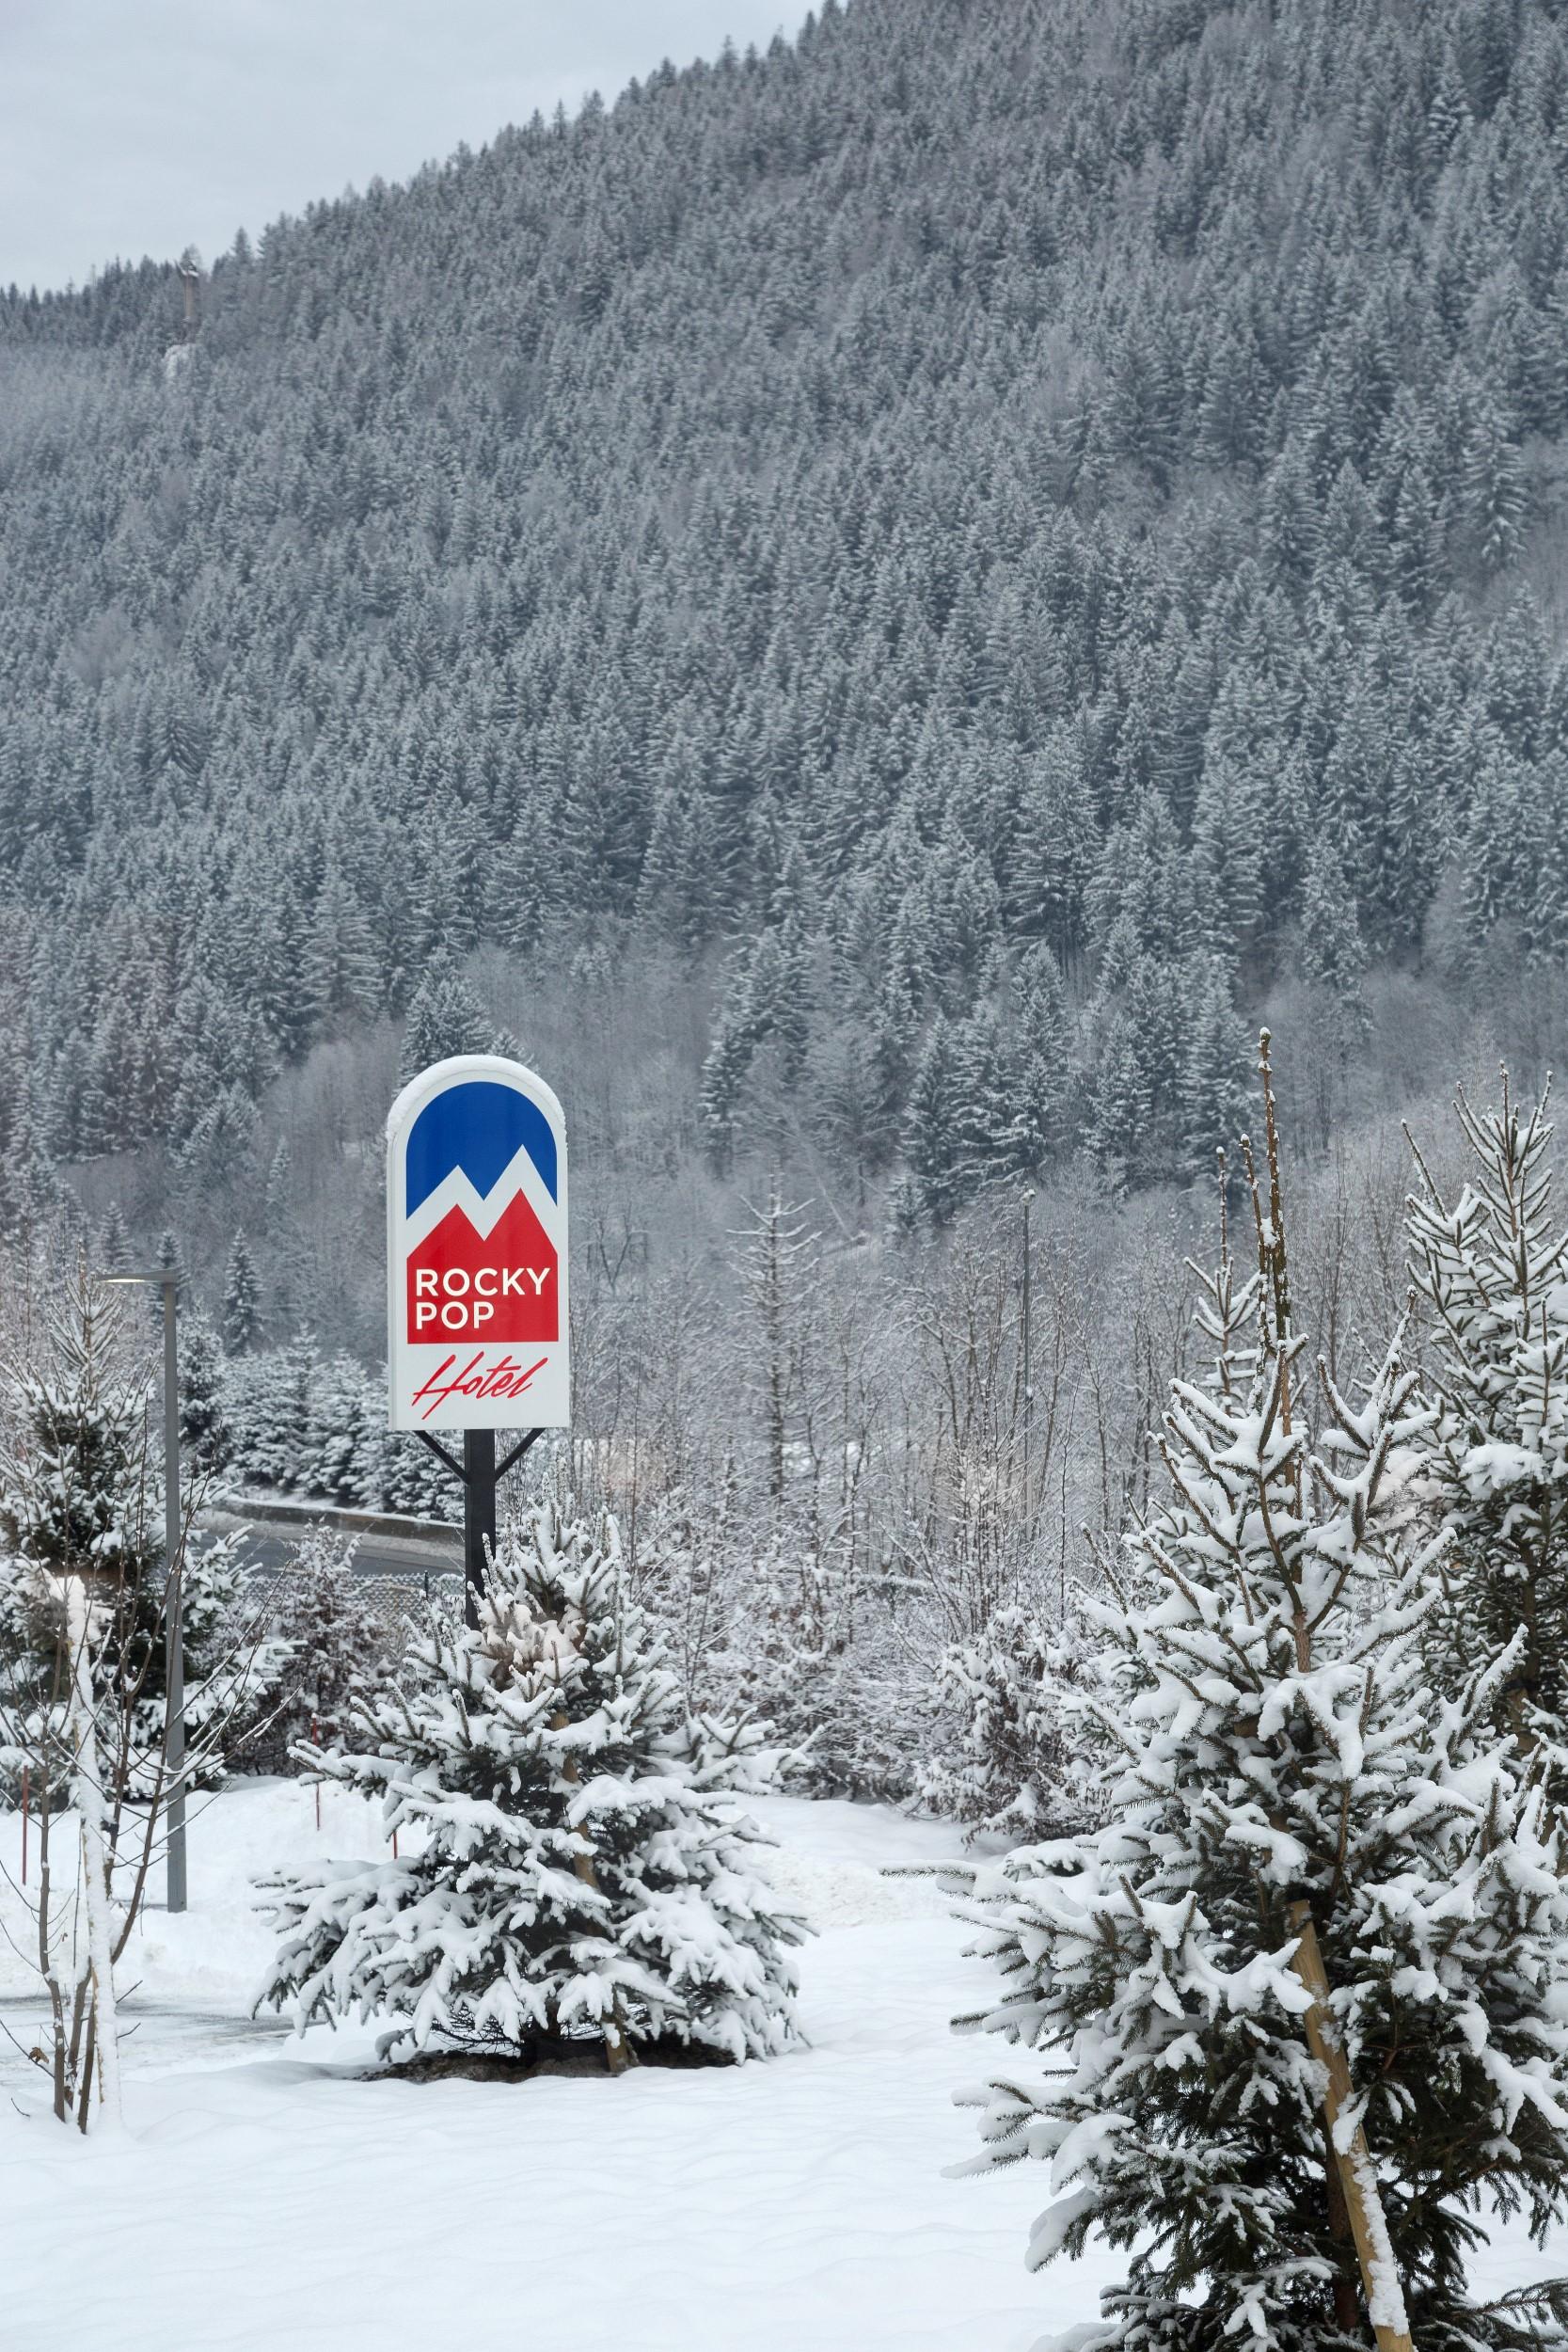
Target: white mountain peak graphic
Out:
[483,1212]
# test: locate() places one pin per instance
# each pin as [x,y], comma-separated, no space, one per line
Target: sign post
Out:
[476,1274]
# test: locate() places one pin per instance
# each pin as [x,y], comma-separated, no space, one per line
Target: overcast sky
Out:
[142,126]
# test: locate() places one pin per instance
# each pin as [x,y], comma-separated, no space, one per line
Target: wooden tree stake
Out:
[1379,2278]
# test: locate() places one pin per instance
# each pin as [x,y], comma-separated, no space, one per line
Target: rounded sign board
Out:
[476,1249]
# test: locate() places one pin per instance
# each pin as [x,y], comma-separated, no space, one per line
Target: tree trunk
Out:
[87,1795]
[617,2049]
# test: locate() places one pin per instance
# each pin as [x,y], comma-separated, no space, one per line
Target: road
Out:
[272,1543]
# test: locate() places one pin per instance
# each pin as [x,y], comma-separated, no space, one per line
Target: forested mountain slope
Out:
[1001,529]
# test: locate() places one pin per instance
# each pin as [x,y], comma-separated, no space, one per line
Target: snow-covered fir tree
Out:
[269,1401]
[934,1139]
[81,1493]
[1298,1995]
[79,1498]
[412,1480]
[204,1431]
[78,1549]
[1333,952]
[231,1666]
[586,1873]
[446,1016]
[241,1299]
[1492,1271]
[114,1242]
[346,1440]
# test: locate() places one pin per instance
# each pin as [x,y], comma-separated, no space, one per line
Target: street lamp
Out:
[1029,1365]
[174,1718]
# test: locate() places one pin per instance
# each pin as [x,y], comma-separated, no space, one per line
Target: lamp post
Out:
[174,1718]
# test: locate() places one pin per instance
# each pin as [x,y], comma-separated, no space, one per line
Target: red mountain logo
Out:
[502,1287]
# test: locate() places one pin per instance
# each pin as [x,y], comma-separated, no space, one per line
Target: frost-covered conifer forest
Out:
[878,613]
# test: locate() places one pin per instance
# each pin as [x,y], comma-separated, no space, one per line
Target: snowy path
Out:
[265,2197]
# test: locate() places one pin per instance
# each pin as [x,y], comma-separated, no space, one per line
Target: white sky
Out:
[142,126]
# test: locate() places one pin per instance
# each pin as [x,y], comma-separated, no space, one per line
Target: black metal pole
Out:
[174,1615]
[479,1515]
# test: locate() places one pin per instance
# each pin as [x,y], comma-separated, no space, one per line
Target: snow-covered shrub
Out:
[332,1641]
[800,1659]
[233,1663]
[1294,1790]
[1015,1753]
[578,1866]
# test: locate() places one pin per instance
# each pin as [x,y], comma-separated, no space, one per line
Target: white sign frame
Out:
[465,1377]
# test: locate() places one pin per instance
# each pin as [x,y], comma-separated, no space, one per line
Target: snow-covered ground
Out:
[266,2195]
